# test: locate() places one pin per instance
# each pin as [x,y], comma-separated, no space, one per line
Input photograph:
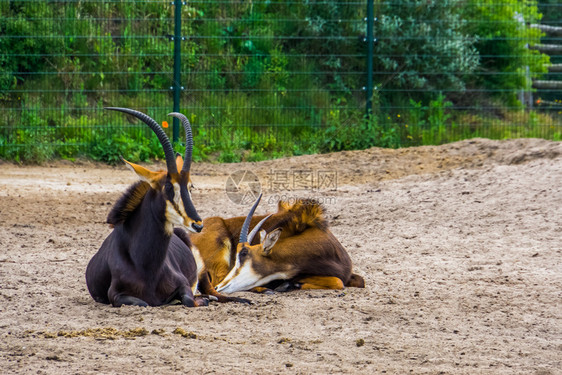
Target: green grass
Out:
[37,135]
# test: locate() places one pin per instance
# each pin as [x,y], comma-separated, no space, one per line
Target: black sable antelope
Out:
[297,251]
[145,261]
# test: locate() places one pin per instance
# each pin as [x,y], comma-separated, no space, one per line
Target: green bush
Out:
[262,79]
[502,39]
[416,39]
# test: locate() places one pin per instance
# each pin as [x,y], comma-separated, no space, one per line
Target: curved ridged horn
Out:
[257,228]
[162,137]
[246,225]
[188,140]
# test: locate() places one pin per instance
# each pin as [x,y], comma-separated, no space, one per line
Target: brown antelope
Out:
[145,261]
[297,247]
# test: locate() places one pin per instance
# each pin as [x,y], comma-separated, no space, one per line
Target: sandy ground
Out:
[460,246]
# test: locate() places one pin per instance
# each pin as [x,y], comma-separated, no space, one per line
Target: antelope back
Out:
[301,231]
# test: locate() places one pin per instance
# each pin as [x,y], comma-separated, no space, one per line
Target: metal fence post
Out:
[177,67]
[370,48]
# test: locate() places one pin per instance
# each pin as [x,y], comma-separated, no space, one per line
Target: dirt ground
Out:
[460,246]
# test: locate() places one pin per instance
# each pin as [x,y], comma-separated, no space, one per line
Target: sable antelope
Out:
[145,261]
[297,247]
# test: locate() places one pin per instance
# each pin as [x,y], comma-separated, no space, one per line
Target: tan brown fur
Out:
[320,282]
[303,214]
[219,237]
[303,223]
[213,243]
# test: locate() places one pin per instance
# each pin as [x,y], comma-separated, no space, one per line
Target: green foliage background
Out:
[499,29]
[264,78]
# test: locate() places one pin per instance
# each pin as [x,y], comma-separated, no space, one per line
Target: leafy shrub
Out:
[263,79]
[415,39]
[503,37]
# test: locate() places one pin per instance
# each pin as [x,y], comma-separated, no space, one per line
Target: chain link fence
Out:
[275,77]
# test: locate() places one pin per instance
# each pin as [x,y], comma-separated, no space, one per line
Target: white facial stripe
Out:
[176,215]
[178,200]
[238,278]
[173,217]
[177,194]
[246,278]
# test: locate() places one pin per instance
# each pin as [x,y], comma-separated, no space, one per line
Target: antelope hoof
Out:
[201,301]
[242,300]
[187,301]
[208,297]
[130,301]
[287,286]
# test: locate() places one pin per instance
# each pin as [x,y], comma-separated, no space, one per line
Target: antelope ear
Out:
[153,178]
[268,240]
[179,161]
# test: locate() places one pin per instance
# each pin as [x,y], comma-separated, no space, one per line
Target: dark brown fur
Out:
[127,203]
[140,263]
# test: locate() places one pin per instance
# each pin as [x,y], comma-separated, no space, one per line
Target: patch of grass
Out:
[182,332]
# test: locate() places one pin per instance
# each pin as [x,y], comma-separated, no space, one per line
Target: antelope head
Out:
[175,183]
[253,265]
